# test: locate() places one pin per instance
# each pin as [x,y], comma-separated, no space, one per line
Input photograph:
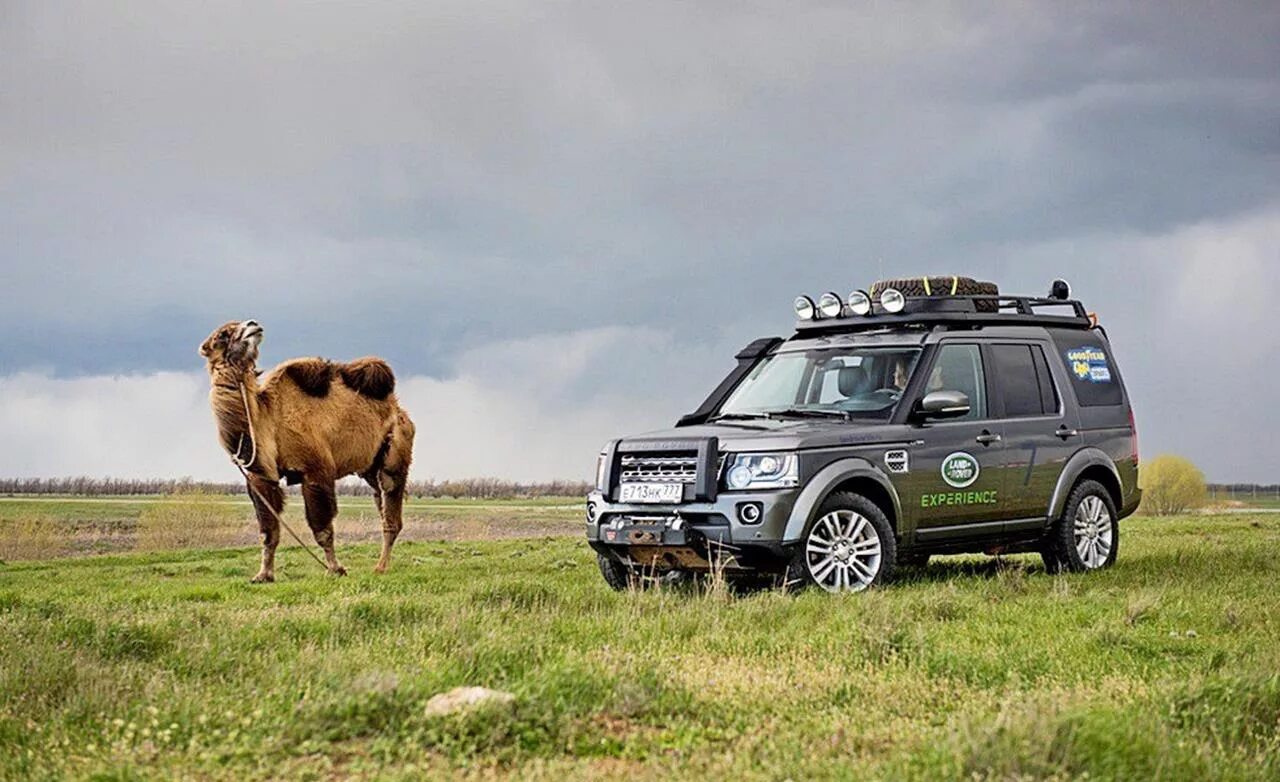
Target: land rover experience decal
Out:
[960,470]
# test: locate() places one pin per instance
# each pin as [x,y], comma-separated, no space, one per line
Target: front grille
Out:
[664,468]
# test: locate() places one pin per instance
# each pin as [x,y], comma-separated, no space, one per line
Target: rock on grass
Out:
[466,698]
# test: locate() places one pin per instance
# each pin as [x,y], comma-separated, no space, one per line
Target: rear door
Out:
[1038,437]
[957,471]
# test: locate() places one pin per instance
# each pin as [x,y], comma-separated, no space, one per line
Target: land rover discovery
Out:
[919,417]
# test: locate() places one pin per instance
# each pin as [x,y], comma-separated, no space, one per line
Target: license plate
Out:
[656,493]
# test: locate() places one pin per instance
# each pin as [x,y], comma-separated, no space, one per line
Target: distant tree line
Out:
[469,488]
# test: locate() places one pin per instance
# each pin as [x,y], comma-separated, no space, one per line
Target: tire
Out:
[1087,536]
[862,549]
[621,577]
[618,576]
[942,286]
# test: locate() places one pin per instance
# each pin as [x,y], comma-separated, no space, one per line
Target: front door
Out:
[958,466]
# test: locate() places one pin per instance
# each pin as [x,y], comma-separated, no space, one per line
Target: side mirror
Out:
[943,404]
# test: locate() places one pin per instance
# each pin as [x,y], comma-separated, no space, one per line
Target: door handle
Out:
[987,438]
[1066,434]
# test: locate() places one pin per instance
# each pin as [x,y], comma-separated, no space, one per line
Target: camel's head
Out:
[233,345]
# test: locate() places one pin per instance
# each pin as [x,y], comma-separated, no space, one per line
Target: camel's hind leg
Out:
[322,506]
[268,524]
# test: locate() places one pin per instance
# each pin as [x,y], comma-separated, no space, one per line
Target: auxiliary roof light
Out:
[893,301]
[805,309]
[860,303]
[830,305]
[1061,290]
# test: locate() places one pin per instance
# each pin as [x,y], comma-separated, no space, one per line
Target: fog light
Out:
[830,306]
[860,303]
[750,512]
[591,512]
[893,301]
[805,309]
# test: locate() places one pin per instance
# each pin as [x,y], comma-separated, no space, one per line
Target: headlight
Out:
[762,471]
[600,473]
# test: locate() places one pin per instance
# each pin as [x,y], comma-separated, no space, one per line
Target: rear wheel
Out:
[849,547]
[1087,537]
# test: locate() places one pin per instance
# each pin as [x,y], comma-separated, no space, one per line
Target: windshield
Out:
[836,382]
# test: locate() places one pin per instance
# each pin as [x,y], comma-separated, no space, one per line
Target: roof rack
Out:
[966,311]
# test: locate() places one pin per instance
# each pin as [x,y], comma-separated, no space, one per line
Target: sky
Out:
[559,220]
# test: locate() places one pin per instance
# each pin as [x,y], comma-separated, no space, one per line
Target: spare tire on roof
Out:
[941,286]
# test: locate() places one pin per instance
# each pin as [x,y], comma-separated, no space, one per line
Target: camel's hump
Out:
[312,375]
[370,377]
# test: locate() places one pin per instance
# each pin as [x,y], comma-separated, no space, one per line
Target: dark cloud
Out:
[426,181]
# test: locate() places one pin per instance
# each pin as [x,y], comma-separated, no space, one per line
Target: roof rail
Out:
[964,311]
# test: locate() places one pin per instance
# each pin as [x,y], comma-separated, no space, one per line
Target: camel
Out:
[309,421]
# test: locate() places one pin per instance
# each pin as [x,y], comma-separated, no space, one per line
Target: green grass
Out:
[170,665]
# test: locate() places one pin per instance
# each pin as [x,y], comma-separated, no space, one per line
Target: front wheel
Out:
[621,577]
[849,547]
[1087,537]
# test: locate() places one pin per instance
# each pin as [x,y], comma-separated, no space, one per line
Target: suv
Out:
[885,430]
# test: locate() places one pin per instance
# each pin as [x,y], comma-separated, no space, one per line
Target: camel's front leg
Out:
[321,500]
[391,507]
[261,489]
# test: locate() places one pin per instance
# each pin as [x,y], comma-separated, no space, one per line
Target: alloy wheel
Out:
[1094,532]
[843,552]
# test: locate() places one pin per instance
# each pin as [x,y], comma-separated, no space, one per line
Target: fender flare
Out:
[828,478]
[1077,464]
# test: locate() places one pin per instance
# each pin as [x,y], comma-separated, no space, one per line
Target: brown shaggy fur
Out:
[312,418]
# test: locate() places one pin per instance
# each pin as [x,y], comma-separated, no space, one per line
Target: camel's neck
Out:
[238,411]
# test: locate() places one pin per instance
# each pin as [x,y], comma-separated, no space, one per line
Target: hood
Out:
[785,435]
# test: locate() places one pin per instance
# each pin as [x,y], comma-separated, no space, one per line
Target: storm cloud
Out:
[558,220]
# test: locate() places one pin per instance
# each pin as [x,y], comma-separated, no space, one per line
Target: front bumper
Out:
[682,535]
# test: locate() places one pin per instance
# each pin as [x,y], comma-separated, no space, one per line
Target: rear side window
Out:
[1048,392]
[1091,369]
[1023,375]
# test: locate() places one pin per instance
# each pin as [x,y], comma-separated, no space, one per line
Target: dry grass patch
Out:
[194,520]
[31,536]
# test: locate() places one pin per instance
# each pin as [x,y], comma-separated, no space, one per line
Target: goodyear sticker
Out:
[1089,364]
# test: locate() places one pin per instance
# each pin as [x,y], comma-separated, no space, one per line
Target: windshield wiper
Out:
[810,412]
[737,417]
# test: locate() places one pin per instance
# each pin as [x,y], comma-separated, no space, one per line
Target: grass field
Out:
[170,665]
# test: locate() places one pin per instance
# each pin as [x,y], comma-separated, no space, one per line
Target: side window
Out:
[959,368]
[1023,375]
[1048,392]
